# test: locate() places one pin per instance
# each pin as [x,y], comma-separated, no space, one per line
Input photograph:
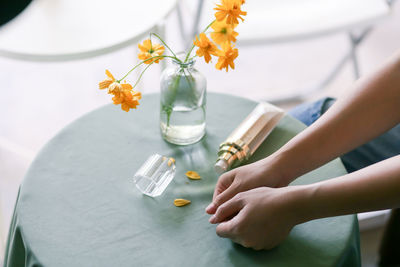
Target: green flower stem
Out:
[188,54]
[191,49]
[162,41]
[190,59]
[144,61]
[169,108]
[189,80]
[141,74]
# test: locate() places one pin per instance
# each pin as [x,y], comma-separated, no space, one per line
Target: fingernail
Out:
[209,207]
[212,218]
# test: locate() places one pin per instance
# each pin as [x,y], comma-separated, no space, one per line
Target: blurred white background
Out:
[40,98]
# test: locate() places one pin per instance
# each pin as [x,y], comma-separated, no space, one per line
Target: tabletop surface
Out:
[69,29]
[78,205]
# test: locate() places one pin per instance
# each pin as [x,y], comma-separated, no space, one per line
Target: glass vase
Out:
[183,103]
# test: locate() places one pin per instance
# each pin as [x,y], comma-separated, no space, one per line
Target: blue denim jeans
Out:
[385,146]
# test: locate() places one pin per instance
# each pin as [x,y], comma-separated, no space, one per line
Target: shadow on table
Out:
[200,156]
[295,247]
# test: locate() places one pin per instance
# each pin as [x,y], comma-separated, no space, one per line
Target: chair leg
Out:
[187,37]
[160,30]
[181,23]
[321,84]
[353,53]
[390,2]
[195,27]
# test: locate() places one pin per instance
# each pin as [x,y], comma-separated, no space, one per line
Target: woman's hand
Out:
[266,172]
[260,218]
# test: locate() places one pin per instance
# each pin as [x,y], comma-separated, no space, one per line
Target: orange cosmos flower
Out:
[122,92]
[149,50]
[230,9]
[116,87]
[127,98]
[223,32]
[226,57]
[206,47]
[108,81]
[113,85]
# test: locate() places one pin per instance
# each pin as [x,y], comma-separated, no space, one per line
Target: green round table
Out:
[78,205]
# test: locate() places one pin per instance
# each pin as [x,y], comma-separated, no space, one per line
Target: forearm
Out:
[373,188]
[368,110]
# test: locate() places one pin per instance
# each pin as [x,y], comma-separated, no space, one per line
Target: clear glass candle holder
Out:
[154,175]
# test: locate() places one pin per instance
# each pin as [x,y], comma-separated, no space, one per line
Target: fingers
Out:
[224,182]
[223,197]
[227,210]
[233,229]
[225,230]
[229,228]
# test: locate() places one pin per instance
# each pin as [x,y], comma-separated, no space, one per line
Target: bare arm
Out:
[251,213]
[261,218]
[368,110]
[373,188]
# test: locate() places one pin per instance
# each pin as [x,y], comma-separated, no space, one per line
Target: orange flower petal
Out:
[105,83]
[137,94]
[180,202]
[108,73]
[231,10]
[206,47]
[193,175]
[171,161]
[220,15]
[146,46]
[126,86]
[114,87]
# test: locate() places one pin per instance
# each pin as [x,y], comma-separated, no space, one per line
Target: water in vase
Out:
[183,125]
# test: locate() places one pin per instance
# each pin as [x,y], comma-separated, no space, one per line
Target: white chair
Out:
[277,21]
[54,30]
